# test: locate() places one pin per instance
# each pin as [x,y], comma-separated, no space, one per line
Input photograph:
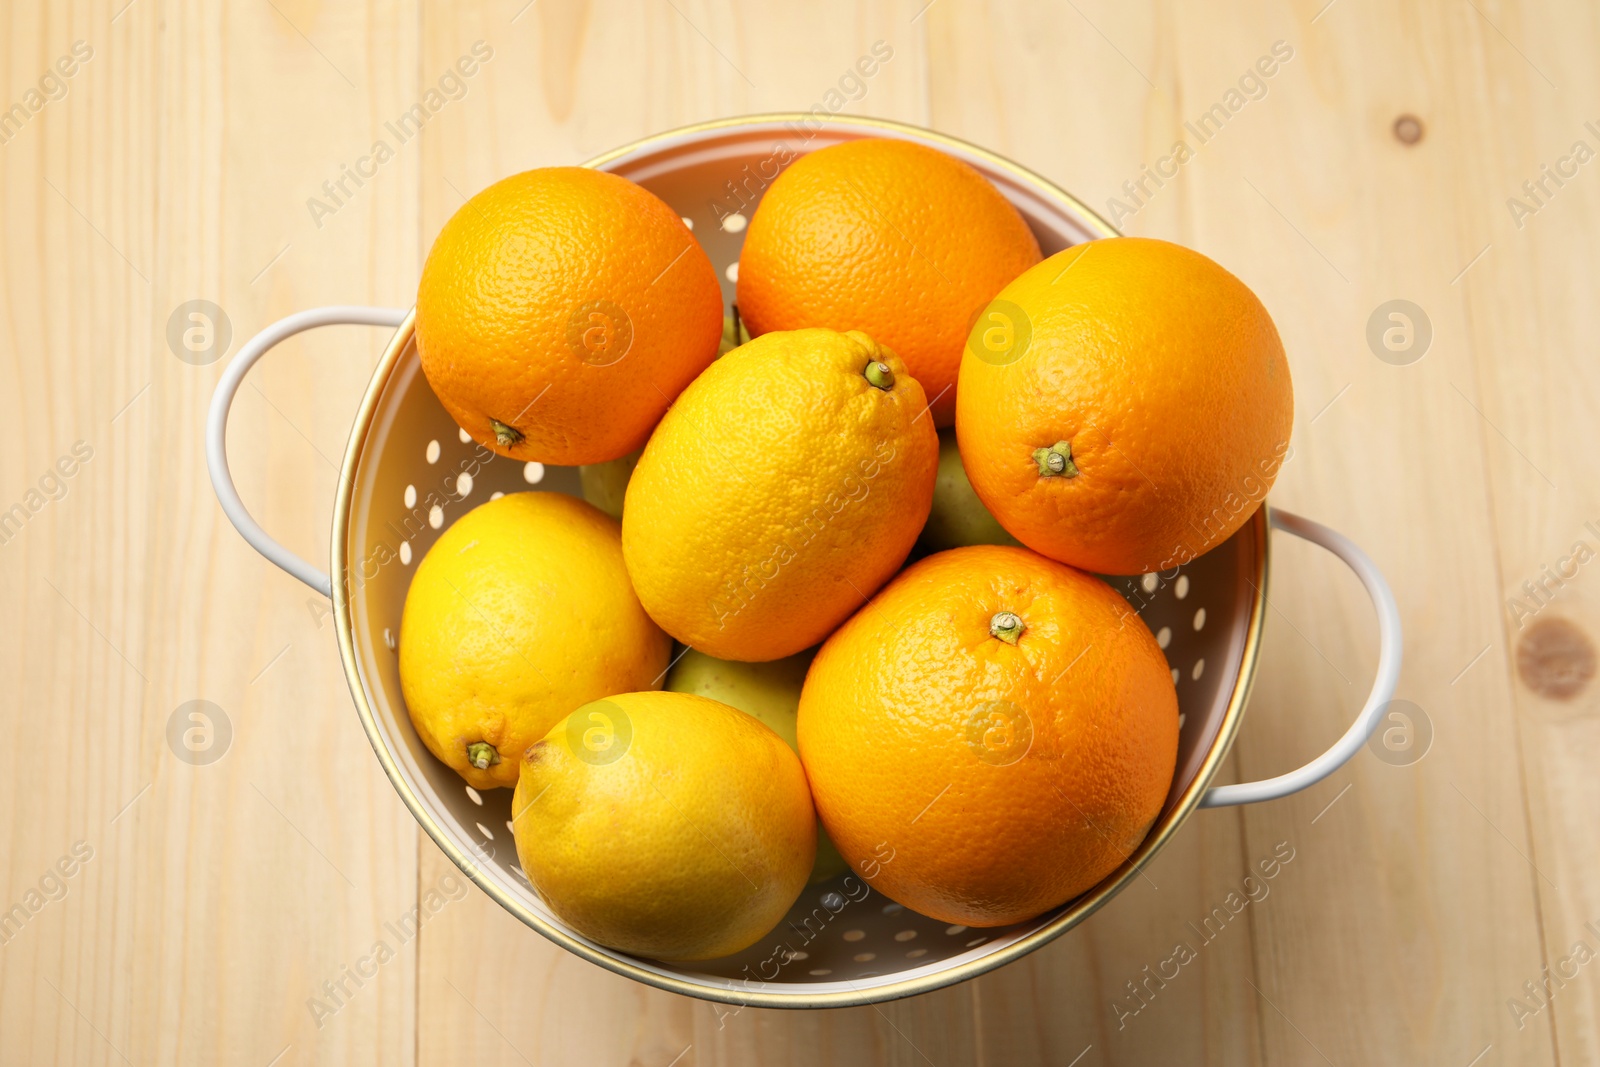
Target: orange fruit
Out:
[991,736]
[892,238]
[560,312]
[1124,406]
[784,487]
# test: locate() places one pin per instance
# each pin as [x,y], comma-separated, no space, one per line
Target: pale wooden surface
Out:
[220,897]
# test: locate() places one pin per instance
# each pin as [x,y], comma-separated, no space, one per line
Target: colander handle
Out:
[217,425]
[1389,647]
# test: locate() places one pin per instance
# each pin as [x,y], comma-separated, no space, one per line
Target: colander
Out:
[408,472]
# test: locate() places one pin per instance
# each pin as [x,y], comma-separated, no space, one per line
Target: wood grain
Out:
[209,902]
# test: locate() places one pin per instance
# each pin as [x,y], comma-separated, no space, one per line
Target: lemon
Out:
[605,484]
[519,613]
[957,517]
[781,489]
[771,693]
[665,825]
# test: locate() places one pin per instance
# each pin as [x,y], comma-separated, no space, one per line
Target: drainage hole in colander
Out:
[1200,619]
[1164,636]
[975,942]
[733,223]
[432,452]
[905,935]
[1181,590]
[405,552]
[793,955]
[436,516]
[1199,669]
[864,957]
[496,495]
[1174,676]
[533,472]
[485,831]
[854,935]
[411,496]
[733,272]
[916,953]
[818,972]
[893,909]
[688,222]
[388,639]
[954,930]
[466,438]
[464,487]
[1149,583]
[475,796]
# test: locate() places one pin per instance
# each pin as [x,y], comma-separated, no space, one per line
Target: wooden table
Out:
[208,903]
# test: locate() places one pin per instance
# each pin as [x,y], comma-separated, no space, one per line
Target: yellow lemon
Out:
[782,488]
[605,484]
[665,825]
[769,691]
[519,613]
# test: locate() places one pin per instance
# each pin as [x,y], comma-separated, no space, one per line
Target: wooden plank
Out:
[1418,908]
[566,83]
[1526,363]
[1285,195]
[1084,95]
[220,893]
[335,876]
[76,640]
[490,990]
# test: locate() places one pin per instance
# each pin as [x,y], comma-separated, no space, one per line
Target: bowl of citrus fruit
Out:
[805,562]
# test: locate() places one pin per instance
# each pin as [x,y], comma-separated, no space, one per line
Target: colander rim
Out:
[1079,910]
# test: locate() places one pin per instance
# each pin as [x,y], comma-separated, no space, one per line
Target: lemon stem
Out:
[1007,626]
[1056,461]
[879,375]
[482,755]
[507,436]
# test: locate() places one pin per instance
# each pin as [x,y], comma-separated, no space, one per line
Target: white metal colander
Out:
[409,472]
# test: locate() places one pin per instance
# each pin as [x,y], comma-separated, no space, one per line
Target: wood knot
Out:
[1408,129]
[1555,659]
